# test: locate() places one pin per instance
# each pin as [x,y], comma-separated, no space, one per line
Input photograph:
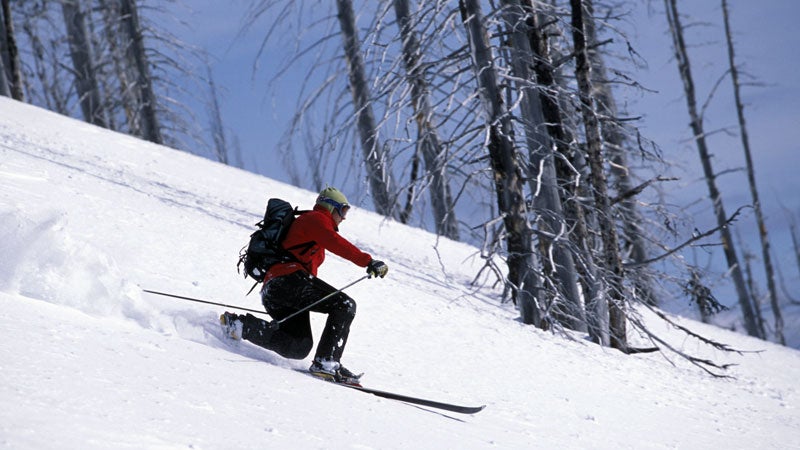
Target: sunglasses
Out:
[340,208]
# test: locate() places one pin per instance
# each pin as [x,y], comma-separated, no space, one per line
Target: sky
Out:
[90,361]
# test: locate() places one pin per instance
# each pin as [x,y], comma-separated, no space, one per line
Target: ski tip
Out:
[471,409]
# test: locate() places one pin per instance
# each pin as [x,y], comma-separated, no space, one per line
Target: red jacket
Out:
[309,236]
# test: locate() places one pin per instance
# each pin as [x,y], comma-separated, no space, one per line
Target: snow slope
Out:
[88,218]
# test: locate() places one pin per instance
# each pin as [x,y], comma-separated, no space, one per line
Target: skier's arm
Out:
[329,239]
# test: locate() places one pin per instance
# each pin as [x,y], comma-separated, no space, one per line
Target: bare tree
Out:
[375,155]
[615,140]
[553,235]
[570,166]
[218,137]
[43,64]
[506,171]
[795,239]
[751,178]
[676,29]
[83,62]
[5,88]
[146,123]
[117,67]
[10,46]
[612,262]
[429,142]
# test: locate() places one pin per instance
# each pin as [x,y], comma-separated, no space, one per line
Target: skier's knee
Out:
[299,349]
[349,307]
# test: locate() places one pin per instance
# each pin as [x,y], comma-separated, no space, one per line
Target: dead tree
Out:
[5,88]
[506,170]
[83,63]
[612,262]
[376,157]
[751,178]
[146,121]
[429,143]
[217,127]
[569,165]
[676,29]
[553,234]
[10,44]
[614,138]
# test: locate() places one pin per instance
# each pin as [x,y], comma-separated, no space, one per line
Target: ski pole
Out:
[276,323]
[203,301]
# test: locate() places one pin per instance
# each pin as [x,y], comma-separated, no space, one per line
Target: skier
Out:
[292,286]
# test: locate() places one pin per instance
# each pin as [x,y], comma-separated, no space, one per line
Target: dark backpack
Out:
[264,248]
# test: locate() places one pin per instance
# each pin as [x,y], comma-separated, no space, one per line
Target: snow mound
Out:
[45,262]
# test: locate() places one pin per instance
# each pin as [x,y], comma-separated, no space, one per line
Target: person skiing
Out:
[292,286]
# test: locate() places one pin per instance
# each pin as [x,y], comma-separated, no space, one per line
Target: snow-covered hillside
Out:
[89,218]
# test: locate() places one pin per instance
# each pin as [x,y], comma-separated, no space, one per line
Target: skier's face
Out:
[339,210]
[338,218]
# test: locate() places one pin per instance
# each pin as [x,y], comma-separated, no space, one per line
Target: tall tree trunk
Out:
[217,127]
[83,63]
[52,93]
[376,158]
[14,67]
[612,261]
[699,135]
[751,286]
[542,172]
[506,170]
[596,306]
[5,83]
[147,115]
[5,90]
[614,138]
[430,145]
[751,178]
[126,98]
[795,241]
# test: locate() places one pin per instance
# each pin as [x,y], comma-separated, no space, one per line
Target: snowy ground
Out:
[88,218]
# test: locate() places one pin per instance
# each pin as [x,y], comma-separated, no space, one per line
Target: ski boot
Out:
[231,326]
[333,371]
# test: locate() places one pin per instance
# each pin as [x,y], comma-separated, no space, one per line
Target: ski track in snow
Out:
[89,217]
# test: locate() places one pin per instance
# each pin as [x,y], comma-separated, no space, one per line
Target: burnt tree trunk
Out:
[613,271]
[429,143]
[14,67]
[506,170]
[149,127]
[376,158]
[734,266]
[542,173]
[83,64]
[751,178]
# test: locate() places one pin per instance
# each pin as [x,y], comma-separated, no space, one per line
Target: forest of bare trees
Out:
[492,122]
[101,61]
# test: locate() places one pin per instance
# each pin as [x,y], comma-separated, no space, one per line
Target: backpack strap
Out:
[305,246]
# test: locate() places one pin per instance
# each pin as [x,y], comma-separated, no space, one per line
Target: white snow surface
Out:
[89,218]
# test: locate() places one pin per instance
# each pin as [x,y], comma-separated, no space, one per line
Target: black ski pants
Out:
[283,296]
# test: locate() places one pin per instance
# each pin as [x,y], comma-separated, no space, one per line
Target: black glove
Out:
[377,268]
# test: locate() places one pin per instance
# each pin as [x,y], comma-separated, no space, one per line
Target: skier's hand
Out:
[377,268]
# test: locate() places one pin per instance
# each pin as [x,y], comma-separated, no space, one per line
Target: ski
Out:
[403,398]
[415,400]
